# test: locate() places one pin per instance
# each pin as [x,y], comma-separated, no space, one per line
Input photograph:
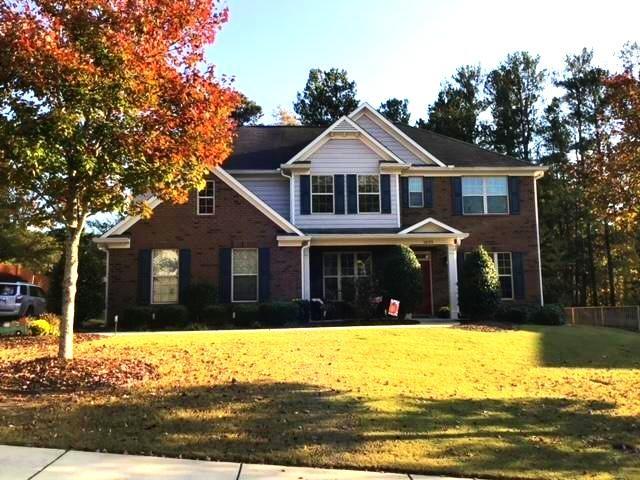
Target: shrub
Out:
[216,316]
[550,314]
[479,285]
[340,310]
[245,315]
[401,278]
[516,313]
[199,296]
[170,317]
[45,324]
[276,314]
[444,312]
[135,317]
[39,327]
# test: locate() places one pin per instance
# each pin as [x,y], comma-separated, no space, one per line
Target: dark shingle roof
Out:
[267,147]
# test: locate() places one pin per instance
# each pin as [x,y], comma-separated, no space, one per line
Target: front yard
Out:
[539,402]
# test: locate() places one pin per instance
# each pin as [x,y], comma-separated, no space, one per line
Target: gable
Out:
[345,155]
[431,225]
[387,140]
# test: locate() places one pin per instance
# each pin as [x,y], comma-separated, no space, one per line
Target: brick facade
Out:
[497,233]
[235,224]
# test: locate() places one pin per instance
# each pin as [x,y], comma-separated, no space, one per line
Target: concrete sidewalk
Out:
[26,463]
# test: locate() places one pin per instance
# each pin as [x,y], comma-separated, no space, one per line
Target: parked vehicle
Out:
[18,299]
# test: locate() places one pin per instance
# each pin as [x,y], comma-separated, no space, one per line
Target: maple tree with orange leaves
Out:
[103,102]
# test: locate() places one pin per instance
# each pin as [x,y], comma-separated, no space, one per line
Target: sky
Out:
[405,48]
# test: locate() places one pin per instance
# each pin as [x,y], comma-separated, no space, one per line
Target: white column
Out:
[306,273]
[452,260]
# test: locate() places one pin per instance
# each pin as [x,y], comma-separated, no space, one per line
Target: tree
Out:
[396,110]
[282,116]
[401,277]
[327,96]
[479,285]
[103,102]
[456,110]
[513,91]
[248,112]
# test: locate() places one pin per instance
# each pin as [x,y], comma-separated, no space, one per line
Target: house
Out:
[303,212]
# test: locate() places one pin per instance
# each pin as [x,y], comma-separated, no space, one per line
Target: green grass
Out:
[540,402]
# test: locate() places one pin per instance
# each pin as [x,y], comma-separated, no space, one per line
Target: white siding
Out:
[273,189]
[346,156]
[387,140]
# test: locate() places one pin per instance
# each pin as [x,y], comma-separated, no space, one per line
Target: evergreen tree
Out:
[248,112]
[396,110]
[327,96]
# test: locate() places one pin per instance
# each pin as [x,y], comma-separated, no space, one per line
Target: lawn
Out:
[538,402]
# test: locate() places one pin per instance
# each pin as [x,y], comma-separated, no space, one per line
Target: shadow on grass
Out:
[290,423]
[587,347]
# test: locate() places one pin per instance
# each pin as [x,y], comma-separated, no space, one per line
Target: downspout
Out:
[535,198]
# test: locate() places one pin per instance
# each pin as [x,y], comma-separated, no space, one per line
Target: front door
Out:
[425,263]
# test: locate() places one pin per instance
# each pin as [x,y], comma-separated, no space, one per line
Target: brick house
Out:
[303,212]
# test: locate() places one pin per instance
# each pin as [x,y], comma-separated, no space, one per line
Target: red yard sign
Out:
[394,307]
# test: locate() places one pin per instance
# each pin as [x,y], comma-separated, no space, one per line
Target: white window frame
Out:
[332,194]
[257,275]
[510,275]
[152,302]
[421,183]
[379,194]
[207,197]
[484,196]
[339,274]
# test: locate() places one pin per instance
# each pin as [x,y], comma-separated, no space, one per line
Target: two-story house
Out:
[302,212]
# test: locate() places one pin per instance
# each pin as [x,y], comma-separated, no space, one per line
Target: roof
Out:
[268,147]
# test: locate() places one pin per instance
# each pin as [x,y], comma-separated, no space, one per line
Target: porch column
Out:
[452,261]
[306,272]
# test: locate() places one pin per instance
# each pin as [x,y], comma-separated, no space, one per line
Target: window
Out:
[415,192]
[503,265]
[484,195]
[322,194]
[164,284]
[342,272]
[206,199]
[244,267]
[368,194]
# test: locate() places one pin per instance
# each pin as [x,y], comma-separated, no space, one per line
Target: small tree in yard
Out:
[103,102]
[479,285]
[401,278]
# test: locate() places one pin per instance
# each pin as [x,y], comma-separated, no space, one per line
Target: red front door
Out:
[427,305]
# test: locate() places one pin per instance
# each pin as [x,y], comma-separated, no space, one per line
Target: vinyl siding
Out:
[387,140]
[348,156]
[273,189]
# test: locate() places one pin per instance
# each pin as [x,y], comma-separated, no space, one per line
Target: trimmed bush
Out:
[479,291]
[401,278]
[444,312]
[551,314]
[276,314]
[516,313]
[340,310]
[199,296]
[245,315]
[135,317]
[216,316]
[170,317]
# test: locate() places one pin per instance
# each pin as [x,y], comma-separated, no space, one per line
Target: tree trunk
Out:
[610,272]
[69,286]
[592,265]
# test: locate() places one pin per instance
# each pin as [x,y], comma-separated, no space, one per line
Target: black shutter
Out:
[338,185]
[404,184]
[315,264]
[517,258]
[184,272]
[456,195]
[427,191]
[305,194]
[352,194]
[144,277]
[514,195]
[225,275]
[460,265]
[385,193]
[264,274]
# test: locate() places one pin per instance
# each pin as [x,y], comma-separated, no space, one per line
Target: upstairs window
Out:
[322,194]
[416,194]
[206,199]
[164,284]
[485,195]
[368,194]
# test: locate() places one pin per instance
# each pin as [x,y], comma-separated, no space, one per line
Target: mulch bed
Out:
[50,375]
[487,326]
[43,340]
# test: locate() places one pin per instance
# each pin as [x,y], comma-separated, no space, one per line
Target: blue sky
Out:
[404,48]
